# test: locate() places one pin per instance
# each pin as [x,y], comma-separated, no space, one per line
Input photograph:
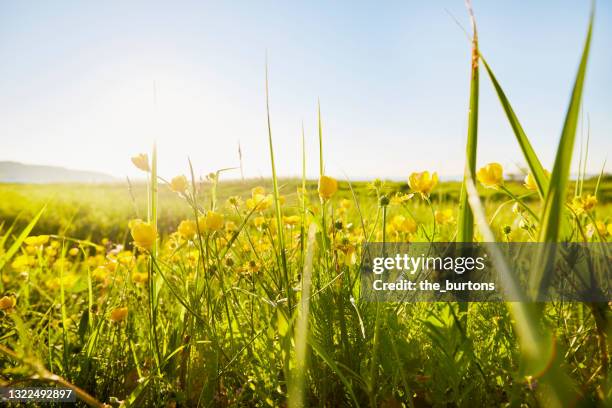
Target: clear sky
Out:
[76,83]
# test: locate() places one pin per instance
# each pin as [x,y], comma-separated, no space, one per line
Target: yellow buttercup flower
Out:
[119,314]
[599,226]
[142,162]
[346,204]
[23,262]
[125,257]
[213,221]
[584,203]
[140,277]
[100,273]
[403,224]
[250,268]
[37,241]
[328,186]
[259,200]
[291,220]
[50,252]
[7,302]
[179,184]
[259,190]
[444,216]
[73,251]
[588,202]
[234,201]
[187,229]
[143,233]
[259,221]
[491,175]
[423,182]
[530,183]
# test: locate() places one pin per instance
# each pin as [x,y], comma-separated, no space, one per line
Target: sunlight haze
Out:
[77,83]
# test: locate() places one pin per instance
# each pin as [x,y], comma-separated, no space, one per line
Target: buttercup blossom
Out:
[37,241]
[142,162]
[444,216]
[530,183]
[423,182]
[187,229]
[491,175]
[259,199]
[119,314]
[328,186]
[143,233]
[140,277]
[7,302]
[213,221]
[291,220]
[584,203]
[599,226]
[179,184]
[22,262]
[259,221]
[403,224]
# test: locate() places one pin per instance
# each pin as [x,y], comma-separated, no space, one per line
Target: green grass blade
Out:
[552,219]
[154,279]
[5,235]
[154,188]
[586,154]
[277,205]
[322,353]
[17,243]
[530,156]
[538,348]
[321,167]
[601,173]
[296,390]
[465,223]
[303,198]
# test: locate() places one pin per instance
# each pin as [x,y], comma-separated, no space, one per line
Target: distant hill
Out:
[13,172]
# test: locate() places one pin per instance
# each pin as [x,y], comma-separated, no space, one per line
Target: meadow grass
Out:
[87,211]
[230,343]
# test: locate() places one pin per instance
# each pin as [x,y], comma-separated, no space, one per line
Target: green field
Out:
[220,322]
[102,211]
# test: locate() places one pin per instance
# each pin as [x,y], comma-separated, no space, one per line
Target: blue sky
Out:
[76,83]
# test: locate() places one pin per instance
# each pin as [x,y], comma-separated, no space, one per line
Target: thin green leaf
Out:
[530,156]
[538,348]
[17,243]
[465,223]
[296,389]
[277,205]
[601,173]
[552,219]
[320,351]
